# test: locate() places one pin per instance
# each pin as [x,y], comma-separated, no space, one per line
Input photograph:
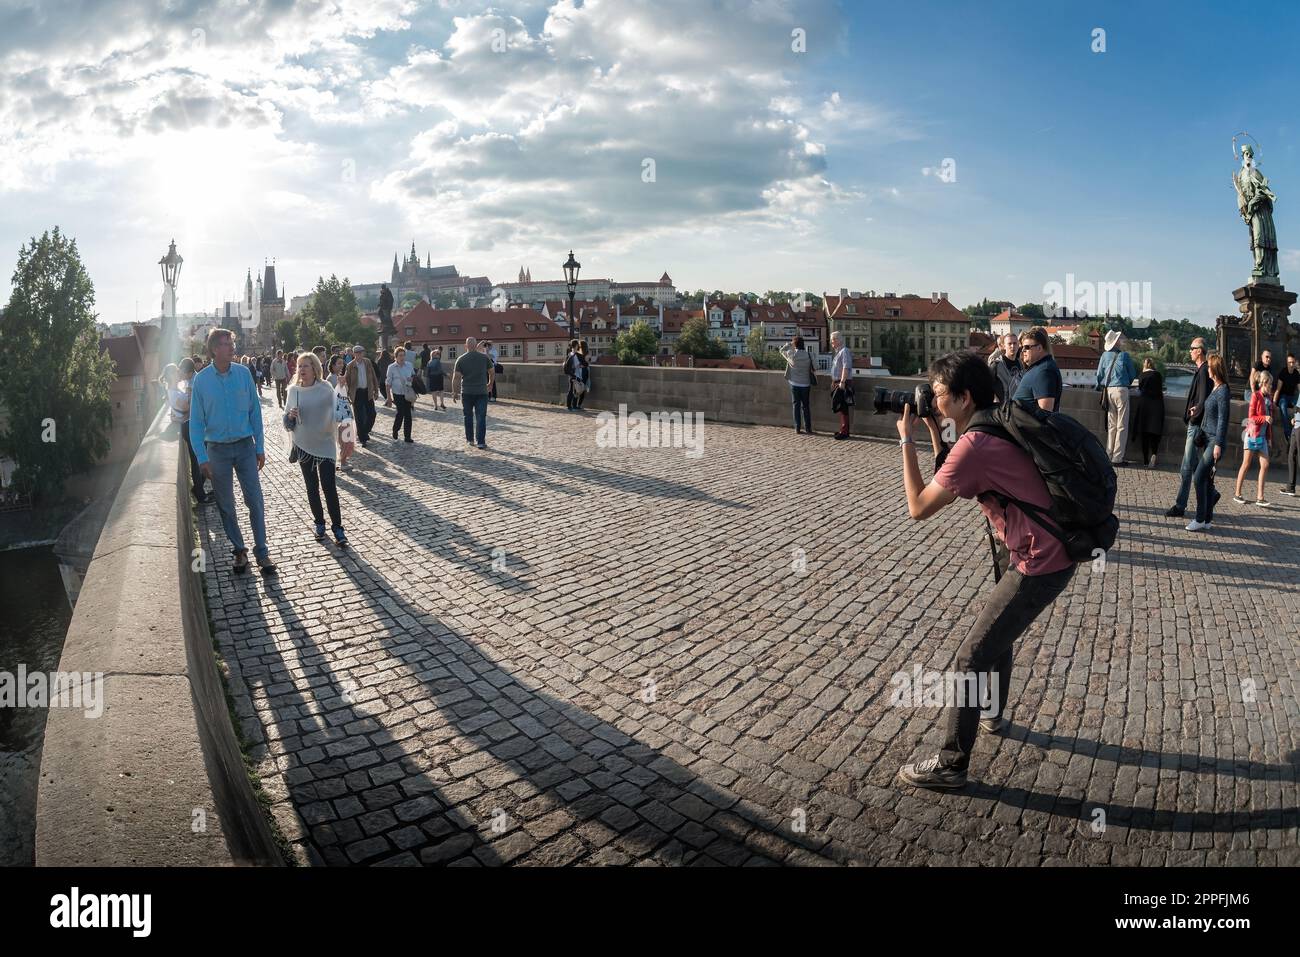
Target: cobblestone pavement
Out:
[554,653]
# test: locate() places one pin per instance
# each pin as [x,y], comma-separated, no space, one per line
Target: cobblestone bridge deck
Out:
[554,653]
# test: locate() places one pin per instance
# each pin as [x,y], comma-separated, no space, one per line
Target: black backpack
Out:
[1078,473]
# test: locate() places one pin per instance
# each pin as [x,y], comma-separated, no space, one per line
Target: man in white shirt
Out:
[362,384]
[842,384]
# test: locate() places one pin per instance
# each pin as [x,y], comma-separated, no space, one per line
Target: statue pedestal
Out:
[1263,323]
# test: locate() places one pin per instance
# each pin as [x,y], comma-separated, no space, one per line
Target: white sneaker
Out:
[1263,503]
[1195,526]
[1239,500]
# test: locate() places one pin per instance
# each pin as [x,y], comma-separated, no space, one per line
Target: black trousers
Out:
[1293,457]
[1012,606]
[315,474]
[196,476]
[1150,445]
[403,419]
[363,410]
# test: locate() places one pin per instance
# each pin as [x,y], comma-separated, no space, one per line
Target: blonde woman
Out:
[312,416]
[1255,435]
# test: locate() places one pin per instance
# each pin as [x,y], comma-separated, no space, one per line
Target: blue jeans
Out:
[475,405]
[799,399]
[1204,481]
[1287,404]
[1191,457]
[230,459]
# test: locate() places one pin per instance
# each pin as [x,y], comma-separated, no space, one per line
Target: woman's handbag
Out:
[290,424]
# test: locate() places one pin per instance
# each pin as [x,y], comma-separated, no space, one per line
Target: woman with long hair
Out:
[1255,437]
[1150,411]
[312,417]
[346,437]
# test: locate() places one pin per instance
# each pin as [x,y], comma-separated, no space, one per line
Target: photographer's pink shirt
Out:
[980,462]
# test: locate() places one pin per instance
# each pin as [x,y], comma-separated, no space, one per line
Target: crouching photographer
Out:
[993,470]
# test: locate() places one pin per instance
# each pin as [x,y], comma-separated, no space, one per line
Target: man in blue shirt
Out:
[1041,380]
[226,433]
[1115,373]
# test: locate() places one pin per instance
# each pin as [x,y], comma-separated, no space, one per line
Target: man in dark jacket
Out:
[1005,363]
[1196,395]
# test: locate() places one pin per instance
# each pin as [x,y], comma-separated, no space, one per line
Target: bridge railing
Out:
[155,777]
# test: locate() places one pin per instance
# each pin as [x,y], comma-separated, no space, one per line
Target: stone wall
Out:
[762,397]
[157,778]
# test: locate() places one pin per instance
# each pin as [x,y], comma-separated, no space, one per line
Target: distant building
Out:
[529,291]
[933,327]
[520,333]
[134,394]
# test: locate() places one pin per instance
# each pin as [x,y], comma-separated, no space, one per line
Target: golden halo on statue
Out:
[1255,149]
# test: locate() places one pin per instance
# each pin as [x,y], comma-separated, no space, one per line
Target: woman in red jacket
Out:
[1255,436]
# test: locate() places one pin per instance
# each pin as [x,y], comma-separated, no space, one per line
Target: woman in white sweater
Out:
[312,416]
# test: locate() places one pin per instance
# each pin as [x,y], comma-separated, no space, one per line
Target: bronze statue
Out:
[1255,203]
[386,310]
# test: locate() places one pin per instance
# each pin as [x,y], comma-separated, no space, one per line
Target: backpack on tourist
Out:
[1074,465]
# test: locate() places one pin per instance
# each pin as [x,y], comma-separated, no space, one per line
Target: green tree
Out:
[286,335]
[1031,310]
[756,344]
[694,340]
[334,310]
[633,344]
[54,382]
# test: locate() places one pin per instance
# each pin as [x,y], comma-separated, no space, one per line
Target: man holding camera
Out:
[1039,568]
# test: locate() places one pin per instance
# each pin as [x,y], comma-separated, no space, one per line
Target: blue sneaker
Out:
[340,538]
[320,529]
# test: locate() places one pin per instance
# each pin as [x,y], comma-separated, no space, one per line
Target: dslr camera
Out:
[921,400]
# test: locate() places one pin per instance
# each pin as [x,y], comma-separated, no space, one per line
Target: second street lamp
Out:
[571,279]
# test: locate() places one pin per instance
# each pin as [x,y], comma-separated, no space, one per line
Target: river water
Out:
[33,623]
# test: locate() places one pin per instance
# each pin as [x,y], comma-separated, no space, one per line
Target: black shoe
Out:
[838,436]
[798,431]
[1288,490]
[412,441]
[1175,512]
[931,774]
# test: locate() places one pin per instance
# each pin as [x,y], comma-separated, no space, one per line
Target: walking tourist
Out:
[474,374]
[314,422]
[1193,413]
[1256,433]
[1211,440]
[226,432]
[401,392]
[362,384]
[434,379]
[280,376]
[178,380]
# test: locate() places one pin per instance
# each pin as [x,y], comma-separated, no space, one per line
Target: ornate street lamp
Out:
[571,279]
[171,274]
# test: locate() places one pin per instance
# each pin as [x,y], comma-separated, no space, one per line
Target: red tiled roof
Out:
[469,322]
[910,310]
[125,353]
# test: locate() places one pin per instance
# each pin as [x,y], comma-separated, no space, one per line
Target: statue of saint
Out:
[386,308]
[1255,203]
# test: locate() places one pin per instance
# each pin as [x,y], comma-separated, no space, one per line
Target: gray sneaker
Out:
[931,774]
[992,725]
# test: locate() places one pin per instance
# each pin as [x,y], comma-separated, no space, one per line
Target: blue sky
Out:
[329,139]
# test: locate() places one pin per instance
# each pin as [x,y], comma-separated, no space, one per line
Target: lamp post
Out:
[571,279]
[171,273]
